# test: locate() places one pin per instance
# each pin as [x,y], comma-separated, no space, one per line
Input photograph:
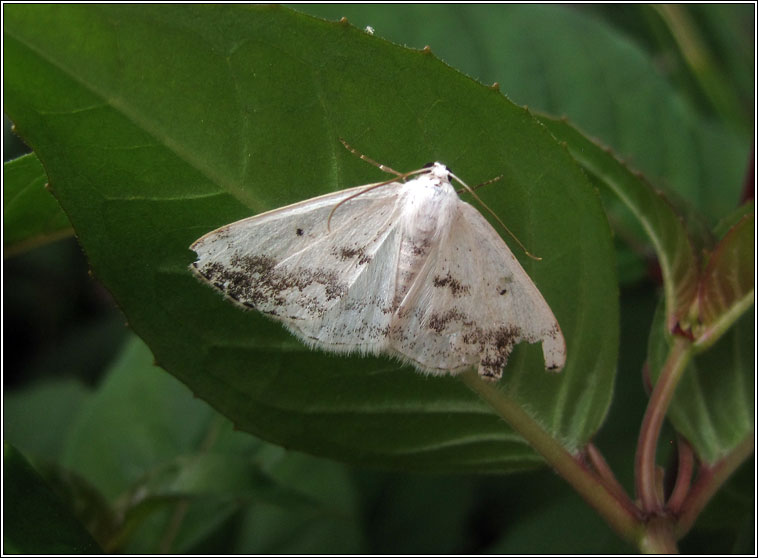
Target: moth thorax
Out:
[427,206]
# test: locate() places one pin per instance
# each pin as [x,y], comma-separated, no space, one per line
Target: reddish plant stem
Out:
[663,392]
[683,476]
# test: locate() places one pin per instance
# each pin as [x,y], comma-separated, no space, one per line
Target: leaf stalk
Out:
[587,484]
[663,392]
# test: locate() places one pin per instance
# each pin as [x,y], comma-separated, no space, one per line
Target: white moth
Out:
[402,268]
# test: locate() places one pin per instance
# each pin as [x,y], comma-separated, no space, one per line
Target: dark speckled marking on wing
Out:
[455,286]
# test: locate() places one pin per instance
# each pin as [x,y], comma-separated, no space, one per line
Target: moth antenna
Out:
[485,183]
[477,198]
[382,167]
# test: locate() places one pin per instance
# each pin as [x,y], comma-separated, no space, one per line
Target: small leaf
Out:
[31,215]
[713,406]
[36,521]
[727,285]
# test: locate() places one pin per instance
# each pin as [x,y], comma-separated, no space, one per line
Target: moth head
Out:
[438,170]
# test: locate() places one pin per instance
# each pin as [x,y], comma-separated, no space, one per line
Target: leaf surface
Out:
[170,122]
[31,216]
[727,285]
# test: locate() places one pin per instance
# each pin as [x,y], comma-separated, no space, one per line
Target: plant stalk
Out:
[685,466]
[659,537]
[584,482]
[663,392]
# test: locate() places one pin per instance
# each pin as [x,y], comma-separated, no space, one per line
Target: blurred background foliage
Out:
[69,358]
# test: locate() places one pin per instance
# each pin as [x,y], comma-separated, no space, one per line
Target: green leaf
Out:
[681,24]
[732,218]
[169,122]
[713,406]
[324,519]
[276,530]
[663,226]
[727,286]
[31,215]
[205,490]
[36,521]
[138,401]
[173,470]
